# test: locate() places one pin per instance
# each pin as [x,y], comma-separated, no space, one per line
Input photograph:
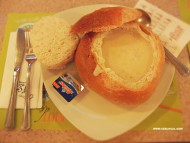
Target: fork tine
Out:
[28,45]
[26,38]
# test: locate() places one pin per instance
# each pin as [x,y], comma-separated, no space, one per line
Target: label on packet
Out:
[67,86]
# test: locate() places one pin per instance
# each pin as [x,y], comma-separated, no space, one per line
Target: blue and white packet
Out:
[67,86]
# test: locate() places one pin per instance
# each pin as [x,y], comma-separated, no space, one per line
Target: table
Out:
[22,6]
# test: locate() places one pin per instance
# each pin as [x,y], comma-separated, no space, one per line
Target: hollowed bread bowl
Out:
[122,62]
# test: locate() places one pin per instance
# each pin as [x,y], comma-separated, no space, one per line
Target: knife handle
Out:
[10,117]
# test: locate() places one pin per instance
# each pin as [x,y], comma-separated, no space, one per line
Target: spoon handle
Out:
[181,68]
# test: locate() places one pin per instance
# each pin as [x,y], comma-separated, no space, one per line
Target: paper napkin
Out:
[173,32]
[35,85]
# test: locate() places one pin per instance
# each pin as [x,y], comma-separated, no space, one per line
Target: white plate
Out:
[92,114]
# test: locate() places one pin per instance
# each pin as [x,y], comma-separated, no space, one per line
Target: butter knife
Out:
[20,50]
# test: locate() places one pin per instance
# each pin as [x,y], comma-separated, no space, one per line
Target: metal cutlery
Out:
[181,68]
[20,49]
[30,58]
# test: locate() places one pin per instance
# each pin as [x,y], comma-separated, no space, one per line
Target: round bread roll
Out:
[52,42]
[123,64]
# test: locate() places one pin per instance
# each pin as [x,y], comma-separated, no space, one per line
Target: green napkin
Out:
[168,115]
[184,8]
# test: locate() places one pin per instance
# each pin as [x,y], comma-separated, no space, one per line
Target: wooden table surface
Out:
[48,136]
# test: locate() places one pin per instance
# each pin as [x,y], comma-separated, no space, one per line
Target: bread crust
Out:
[105,19]
[105,85]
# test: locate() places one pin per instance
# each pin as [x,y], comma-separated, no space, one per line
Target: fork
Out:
[30,58]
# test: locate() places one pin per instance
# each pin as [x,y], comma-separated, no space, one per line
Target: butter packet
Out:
[67,86]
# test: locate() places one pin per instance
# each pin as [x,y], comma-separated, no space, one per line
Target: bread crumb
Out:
[52,42]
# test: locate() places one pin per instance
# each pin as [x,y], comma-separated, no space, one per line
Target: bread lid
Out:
[52,43]
[105,19]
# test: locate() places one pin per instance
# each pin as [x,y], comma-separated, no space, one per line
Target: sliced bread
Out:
[52,42]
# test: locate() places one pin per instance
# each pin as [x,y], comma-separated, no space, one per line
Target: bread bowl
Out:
[121,62]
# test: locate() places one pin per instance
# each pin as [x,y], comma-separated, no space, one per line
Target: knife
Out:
[20,50]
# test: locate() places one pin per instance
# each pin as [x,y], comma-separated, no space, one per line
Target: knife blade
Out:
[20,50]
